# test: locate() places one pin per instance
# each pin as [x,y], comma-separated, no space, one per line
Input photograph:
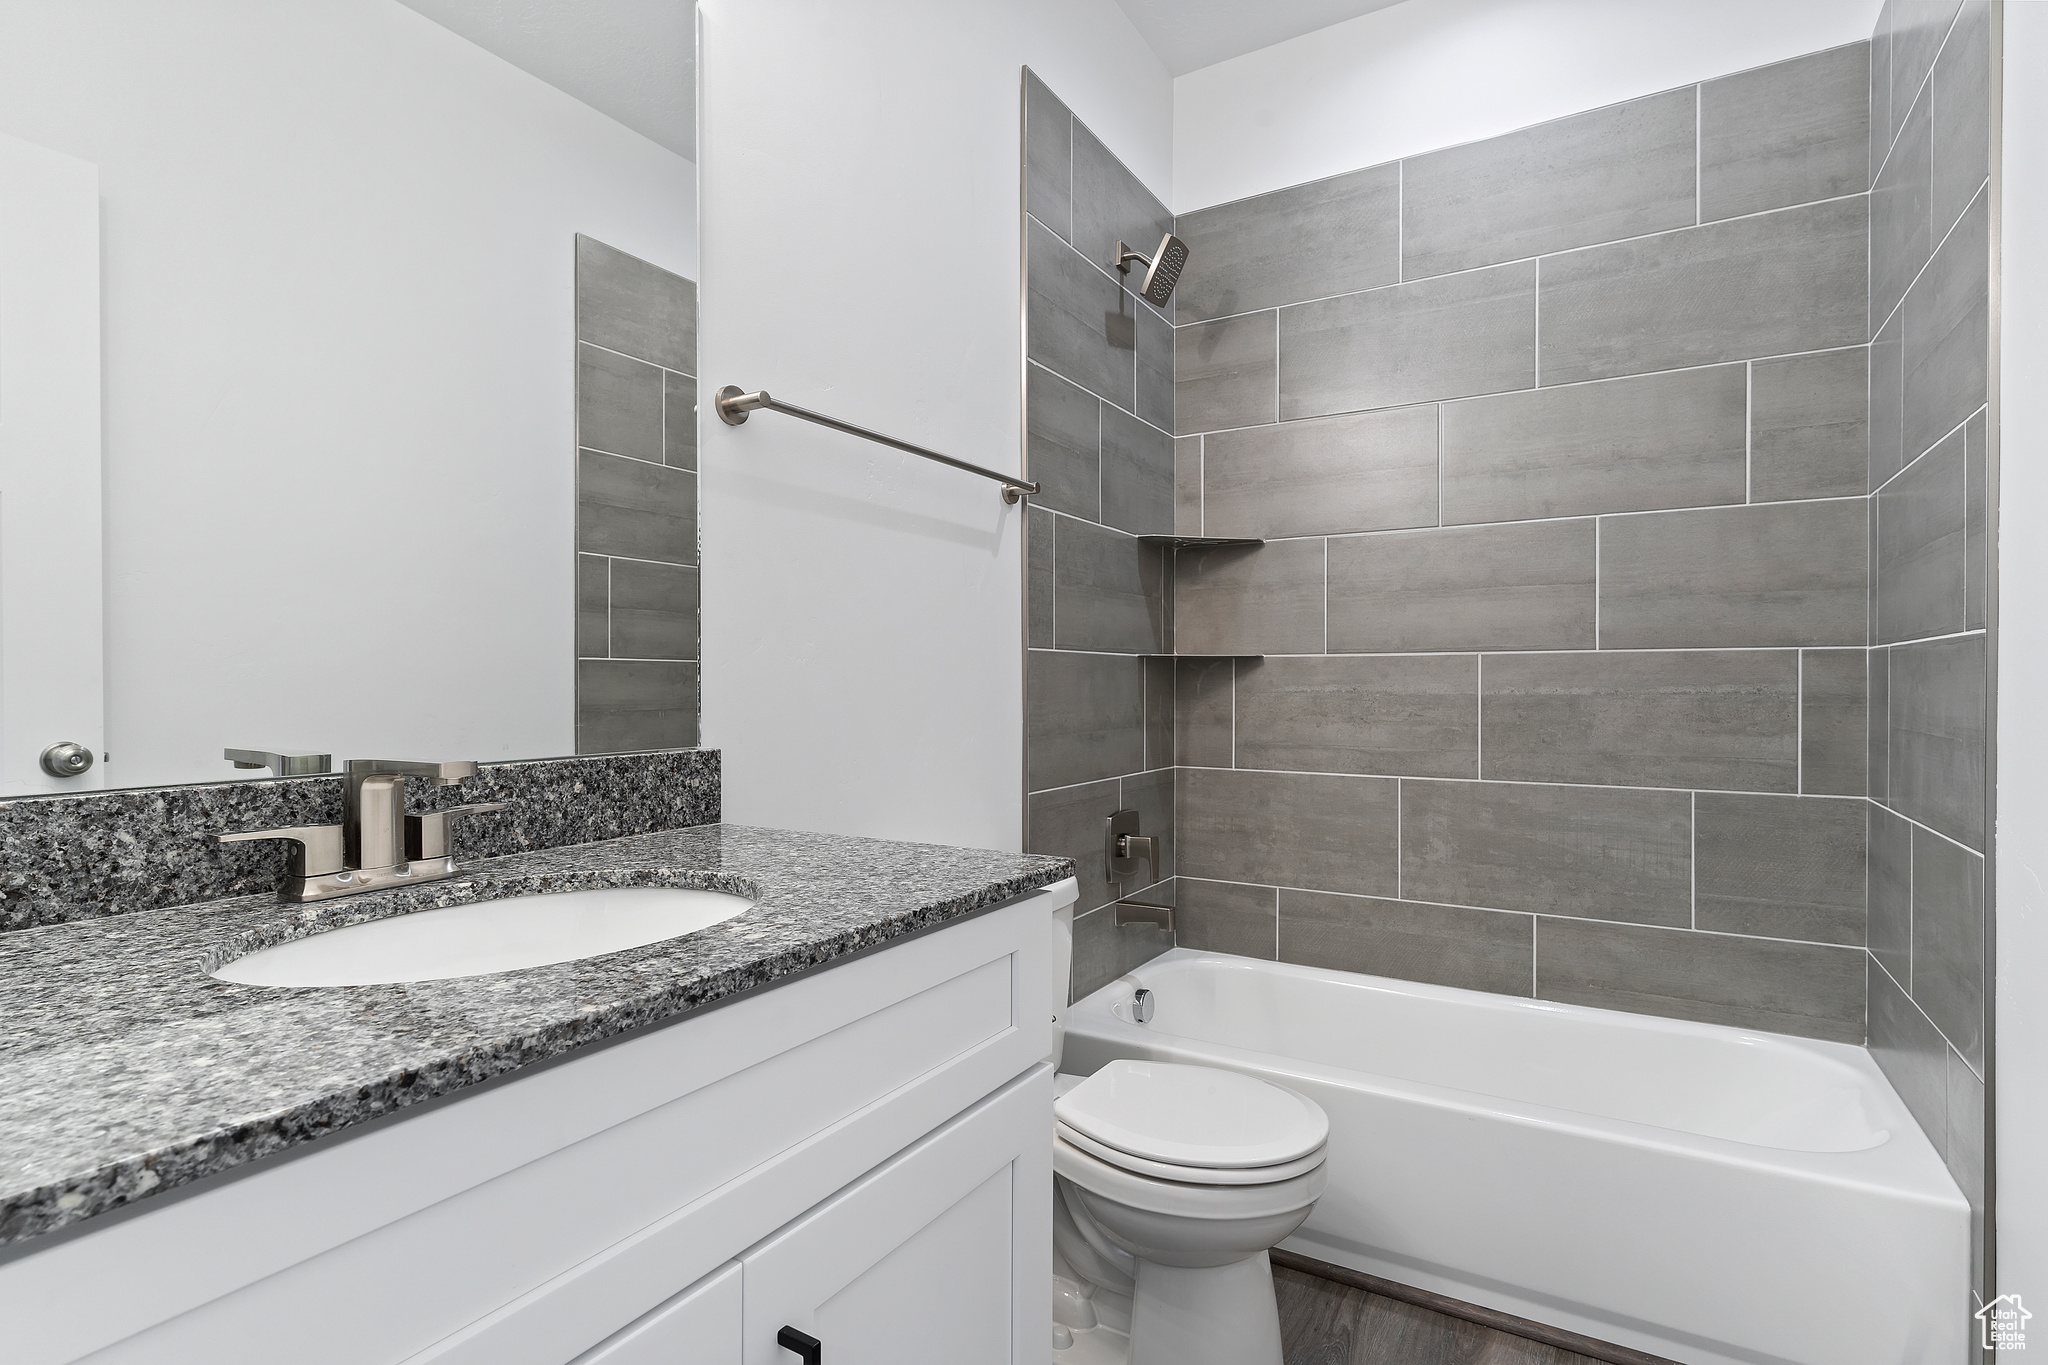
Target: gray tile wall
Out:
[637,589]
[1930,822]
[1559,444]
[1098,430]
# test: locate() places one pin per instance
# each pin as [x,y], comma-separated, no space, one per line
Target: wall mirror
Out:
[347,383]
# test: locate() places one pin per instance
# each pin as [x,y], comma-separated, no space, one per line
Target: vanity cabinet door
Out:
[942,1253]
[700,1326]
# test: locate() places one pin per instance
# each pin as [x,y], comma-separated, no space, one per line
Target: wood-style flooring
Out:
[1326,1323]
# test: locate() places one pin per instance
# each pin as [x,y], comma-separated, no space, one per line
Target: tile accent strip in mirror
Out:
[637,586]
[89,856]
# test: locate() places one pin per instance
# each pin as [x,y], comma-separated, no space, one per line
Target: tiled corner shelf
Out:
[1200,656]
[1199,542]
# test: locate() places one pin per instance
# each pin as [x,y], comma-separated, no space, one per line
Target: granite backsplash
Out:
[92,855]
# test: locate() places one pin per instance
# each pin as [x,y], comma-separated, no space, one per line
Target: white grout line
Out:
[1749,432]
[1439,464]
[1041,365]
[1536,341]
[1397,838]
[1692,853]
[1400,221]
[1912,910]
[1596,584]
[1699,155]
[1927,264]
[1479,718]
[1233,714]
[1939,443]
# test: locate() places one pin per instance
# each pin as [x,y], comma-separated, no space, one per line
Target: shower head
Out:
[1162,268]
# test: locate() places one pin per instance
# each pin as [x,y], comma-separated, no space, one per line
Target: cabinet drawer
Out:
[700,1326]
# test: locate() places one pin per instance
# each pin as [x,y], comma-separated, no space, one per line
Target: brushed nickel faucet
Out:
[377,845]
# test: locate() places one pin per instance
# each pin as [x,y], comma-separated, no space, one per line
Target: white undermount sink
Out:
[487,936]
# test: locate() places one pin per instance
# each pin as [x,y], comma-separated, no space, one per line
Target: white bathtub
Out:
[1694,1191]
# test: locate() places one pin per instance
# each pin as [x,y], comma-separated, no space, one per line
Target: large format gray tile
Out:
[1888,401]
[1620,171]
[1079,322]
[1137,475]
[634,509]
[1720,720]
[593,607]
[1910,1050]
[1787,133]
[1443,945]
[1157,346]
[1947,333]
[1881,88]
[678,420]
[1109,591]
[1204,724]
[1161,695]
[1467,587]
[1977,567]
[1223,373]
[1625,445]
[654,610]
[1451,337]
[1224,917]
[1792,573]
[1580,851]
[1959,100]
[1366,471]
[1809,432]
[1938,736]
[1810,989]
[1265,599]
[1899,240]
[1880,725]
[1048,157]
[1334,236]
[1922,550]
[1038,583]
[1834,720]
[626,304]
[1187,485]
[1289,829]
[1112,205]
[1774,284]
[1069,823]
[1084,717]
[1103,952]
[1888,902]
[1779,866]
[618,404]
[624,705]
[1062,442]
[1948,941]
[1414,715]
[1965,1155]
[1918,28]
[1152,795]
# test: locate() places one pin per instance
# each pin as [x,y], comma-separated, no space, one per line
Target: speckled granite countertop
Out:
[126,1070]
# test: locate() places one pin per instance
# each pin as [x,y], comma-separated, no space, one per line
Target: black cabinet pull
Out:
[803,1343]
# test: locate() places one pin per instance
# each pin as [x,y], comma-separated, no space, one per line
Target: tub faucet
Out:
[377,845]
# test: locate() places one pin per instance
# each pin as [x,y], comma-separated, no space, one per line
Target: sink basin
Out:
[486,937]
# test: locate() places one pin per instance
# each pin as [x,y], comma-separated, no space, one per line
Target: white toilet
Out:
[1171,1183]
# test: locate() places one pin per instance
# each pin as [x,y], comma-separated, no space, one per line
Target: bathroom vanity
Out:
[825,1119]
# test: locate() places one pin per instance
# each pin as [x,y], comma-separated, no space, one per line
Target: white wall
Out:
[862,636]
[338,368]
[2020,1075]
[1434,73]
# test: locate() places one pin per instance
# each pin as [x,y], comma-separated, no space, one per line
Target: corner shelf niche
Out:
[1198,542]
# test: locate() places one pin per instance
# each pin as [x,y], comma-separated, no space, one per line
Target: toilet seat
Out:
[1185,1200]
[1189,1175]
[1195,1122]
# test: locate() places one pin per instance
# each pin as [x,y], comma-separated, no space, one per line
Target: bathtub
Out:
[1698,1192]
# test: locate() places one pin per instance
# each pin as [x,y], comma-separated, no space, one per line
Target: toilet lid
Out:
[1189,1175]
[1193,1116]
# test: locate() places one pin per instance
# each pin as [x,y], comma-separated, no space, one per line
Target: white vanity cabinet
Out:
[862,1154]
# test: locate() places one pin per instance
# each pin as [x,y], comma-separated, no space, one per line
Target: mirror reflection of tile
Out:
[637,588]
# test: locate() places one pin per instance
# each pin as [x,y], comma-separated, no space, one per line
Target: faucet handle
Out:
[321,848]
[283,762]
[426,836]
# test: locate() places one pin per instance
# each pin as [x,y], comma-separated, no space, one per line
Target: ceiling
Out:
[1191,34]
[632,60]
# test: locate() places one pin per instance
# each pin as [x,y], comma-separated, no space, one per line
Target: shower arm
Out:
[734,403]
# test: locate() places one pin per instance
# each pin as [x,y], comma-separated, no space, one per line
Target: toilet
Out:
[1171,1184]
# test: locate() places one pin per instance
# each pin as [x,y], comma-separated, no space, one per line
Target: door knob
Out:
[66,759]
[803,1343]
